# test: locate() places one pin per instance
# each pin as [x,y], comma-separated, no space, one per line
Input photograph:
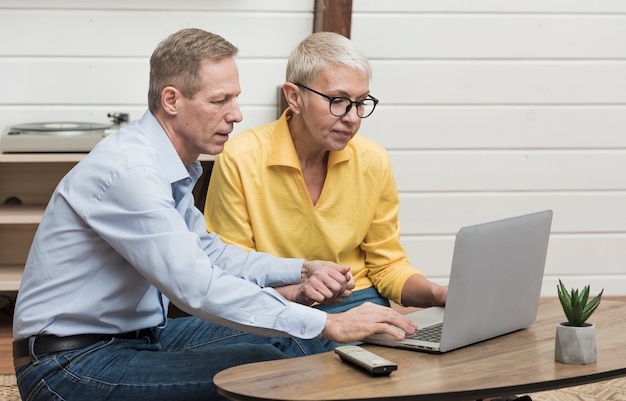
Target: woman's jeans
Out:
[175,363]
[355,299]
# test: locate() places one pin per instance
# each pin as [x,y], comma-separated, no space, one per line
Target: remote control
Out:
[374,364]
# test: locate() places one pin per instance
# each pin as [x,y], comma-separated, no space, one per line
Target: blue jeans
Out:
[175,363]
[355,299]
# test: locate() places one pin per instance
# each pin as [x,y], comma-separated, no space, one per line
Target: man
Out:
[121,237]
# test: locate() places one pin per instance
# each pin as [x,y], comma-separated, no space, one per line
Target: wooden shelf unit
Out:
[26,183]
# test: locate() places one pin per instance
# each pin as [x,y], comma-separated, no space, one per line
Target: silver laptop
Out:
[494,287]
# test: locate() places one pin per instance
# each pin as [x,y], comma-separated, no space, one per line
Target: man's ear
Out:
[169,100]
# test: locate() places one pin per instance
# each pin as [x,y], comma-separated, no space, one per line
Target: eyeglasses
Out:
[339,106]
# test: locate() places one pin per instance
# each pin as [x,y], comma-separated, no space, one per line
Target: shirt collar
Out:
[283,152]
[173,165]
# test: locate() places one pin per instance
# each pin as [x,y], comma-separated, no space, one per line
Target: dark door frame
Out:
[333,16]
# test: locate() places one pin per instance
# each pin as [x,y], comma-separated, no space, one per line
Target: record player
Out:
[57,136]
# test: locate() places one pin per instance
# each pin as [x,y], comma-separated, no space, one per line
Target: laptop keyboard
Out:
[432,334]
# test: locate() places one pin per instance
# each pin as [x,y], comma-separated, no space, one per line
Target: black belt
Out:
[53,344]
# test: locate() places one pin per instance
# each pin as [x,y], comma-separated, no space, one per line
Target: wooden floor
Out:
[6,338]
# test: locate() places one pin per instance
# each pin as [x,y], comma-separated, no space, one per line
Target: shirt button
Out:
[303,331]
[252,320]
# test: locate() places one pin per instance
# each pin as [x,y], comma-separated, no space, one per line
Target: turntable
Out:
[57,136]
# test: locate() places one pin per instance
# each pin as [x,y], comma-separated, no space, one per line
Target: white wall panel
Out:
[568,254]
[489,6]
[491,109]
[574,212]
[598,260]
[507,170]
[135,33]
[497,127]
[75,81]
[499,82]
[85,59]
[509,36]
[194,5]
[118,82]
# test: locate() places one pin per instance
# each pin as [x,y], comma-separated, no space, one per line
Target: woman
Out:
[307,186]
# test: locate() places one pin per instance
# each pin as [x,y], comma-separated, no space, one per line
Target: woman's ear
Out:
[292,96]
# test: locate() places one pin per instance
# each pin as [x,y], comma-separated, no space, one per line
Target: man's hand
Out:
[322,282]
[365,320]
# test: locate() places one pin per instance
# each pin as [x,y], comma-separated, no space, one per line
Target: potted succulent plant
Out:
[576,338]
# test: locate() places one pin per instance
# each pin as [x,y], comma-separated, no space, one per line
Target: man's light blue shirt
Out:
[121,236]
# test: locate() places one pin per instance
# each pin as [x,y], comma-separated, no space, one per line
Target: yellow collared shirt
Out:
[257,198]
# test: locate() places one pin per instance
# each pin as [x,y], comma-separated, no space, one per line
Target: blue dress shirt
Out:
[121,237]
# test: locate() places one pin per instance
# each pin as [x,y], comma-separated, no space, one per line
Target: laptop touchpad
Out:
[427,317]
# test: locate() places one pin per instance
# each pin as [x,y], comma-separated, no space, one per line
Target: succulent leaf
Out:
[575,304]
[585,295]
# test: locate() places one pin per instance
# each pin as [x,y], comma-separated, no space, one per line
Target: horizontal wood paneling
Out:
[596,260]
[574,212]
[567,254]
[510,170]
[84,60]
[124,81]
[488,6]
[69,60]
[116,81]
[492,109]
[587,244]
[278,6]
[497,127]
[499,82]
[462,36]
[488,108]
[135,33]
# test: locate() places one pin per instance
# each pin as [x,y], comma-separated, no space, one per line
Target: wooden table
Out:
[517,363]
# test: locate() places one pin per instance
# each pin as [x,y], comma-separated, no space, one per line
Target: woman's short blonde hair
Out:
[320,51]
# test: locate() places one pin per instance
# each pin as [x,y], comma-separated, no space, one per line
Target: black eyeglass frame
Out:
[331,99]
